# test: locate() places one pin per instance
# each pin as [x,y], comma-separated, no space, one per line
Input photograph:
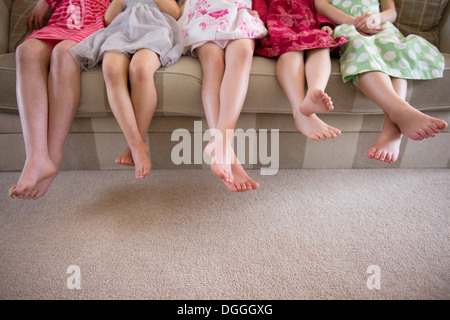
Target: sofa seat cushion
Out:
[179,91]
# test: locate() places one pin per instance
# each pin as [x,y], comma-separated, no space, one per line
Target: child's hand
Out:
[36,16]
[254,13]
[328,30]
[368,24]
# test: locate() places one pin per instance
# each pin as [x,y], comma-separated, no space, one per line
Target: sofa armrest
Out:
[5,8]
[444,41]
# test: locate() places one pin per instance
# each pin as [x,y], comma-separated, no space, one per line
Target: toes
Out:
[432,130]
[416,136]
[37,195]
[382,156]
[442,125]
[315,137]
[12,191]
[325,135]
[378,154]
[388,158]
[371,153]
[423,134]
[243,186]
[429,132]
[435,127]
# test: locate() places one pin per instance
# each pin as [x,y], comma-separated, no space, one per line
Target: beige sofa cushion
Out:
[420,17]
[179,90]
[5,5]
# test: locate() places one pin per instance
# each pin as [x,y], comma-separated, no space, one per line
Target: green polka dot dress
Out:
[388,51]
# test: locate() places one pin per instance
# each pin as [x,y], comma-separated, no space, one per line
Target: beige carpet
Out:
[305,234]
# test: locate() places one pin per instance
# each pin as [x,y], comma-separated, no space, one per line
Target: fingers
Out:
[36,17]
[40,21]
[368,24]
[361,21]
[34,21]
[254,13]
[363,34]
[374,30]
[30,21]
[328,30]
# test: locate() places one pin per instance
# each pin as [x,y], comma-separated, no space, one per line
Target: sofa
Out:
[95,139]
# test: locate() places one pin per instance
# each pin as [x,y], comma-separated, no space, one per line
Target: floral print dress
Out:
[293,25]
[218,21]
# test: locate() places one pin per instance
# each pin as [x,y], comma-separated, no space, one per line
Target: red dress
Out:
[293,25]
[73,19]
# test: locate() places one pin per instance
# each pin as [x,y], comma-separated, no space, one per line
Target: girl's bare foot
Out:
[222,171]
[242,182]
[314,128]
[387,146]
[417,125]
[316,101]
[125,159]
[221,159]
[34,171]
[142,164]
[40,189]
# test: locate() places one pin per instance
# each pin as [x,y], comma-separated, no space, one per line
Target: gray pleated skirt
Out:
[141,25]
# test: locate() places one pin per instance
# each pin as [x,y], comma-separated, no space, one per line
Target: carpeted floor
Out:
[305,234]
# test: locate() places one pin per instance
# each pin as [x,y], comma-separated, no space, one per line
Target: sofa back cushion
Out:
[420,17]
[5,6]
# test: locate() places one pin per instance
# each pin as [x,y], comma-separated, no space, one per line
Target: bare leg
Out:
[224,88]
[316,99]
[291,76]
[387,146]
[33,60]
[212,59]
[143,66]
[377,86]
[115,71]
[64,98]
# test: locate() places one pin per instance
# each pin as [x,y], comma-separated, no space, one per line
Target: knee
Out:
[214,64]
[111,72]
[28,52]
[142,72]
[61,58]
[242,56]
[244,52]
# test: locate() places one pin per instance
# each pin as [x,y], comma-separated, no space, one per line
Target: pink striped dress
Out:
[72,19]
